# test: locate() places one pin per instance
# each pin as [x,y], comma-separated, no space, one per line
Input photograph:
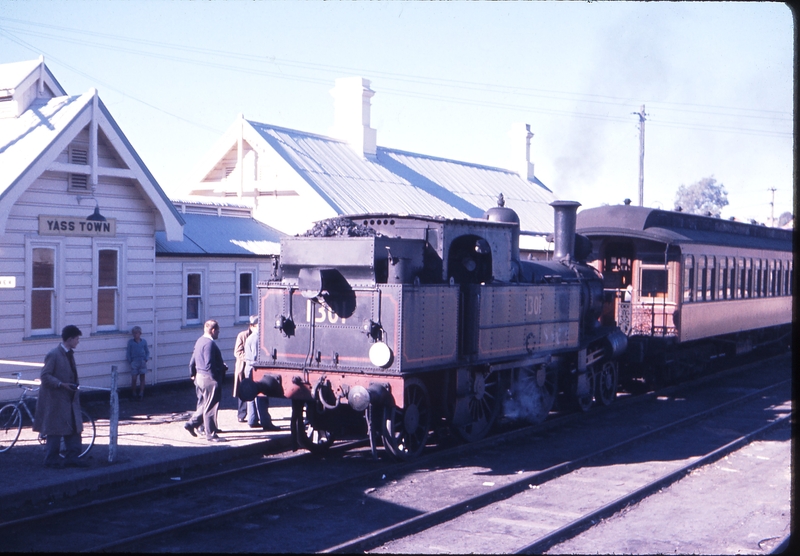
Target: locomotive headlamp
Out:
[380,354]
[285,325]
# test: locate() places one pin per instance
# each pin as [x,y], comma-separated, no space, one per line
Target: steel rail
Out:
[583,523]
[429,519]
[94,504]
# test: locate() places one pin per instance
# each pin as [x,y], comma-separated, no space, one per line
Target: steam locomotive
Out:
[417,322]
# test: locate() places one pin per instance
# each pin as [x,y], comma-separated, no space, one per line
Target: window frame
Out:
[688,279]
[56,308]
[202,270]
[252,270]
[120,299]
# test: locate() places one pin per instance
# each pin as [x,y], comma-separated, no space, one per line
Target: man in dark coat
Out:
[208,371]
[238,369]
[58,410]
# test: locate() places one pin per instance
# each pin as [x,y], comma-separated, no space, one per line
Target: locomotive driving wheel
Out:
[308,431]
[534,390]
[606,383]
[406,430]
[483,405]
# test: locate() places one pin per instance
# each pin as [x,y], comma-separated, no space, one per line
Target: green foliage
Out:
[704,197]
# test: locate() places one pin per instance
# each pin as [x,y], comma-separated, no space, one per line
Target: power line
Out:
[461,85]
[554,95]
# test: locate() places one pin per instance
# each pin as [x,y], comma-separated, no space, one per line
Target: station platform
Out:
[150,440]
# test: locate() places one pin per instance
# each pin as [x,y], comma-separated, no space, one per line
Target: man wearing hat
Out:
[238,373]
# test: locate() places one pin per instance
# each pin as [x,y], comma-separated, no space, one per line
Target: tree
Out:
[706,197]
[784,218]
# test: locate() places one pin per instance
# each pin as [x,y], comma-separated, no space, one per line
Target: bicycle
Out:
[11,416]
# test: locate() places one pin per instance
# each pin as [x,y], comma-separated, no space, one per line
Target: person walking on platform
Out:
[58,410]
[238,370]
[258,409]
[208,372]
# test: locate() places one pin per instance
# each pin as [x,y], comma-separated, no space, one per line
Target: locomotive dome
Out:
[501,213]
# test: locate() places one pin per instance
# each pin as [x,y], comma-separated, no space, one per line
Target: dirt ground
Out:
[742,504]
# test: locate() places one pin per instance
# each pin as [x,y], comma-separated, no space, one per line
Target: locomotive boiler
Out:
[417,322]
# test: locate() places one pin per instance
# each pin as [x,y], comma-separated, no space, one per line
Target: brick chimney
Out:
[351,115]
[521,150]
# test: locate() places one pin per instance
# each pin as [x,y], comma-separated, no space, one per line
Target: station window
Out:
[43,289]
[107,288]
[194,295]
[688,279]
[246,293]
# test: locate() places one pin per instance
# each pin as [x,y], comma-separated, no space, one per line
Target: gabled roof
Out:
[31,143]
[212,235]
[14,74]
[407,183]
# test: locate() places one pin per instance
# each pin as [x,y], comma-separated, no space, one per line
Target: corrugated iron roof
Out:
[205,234]
[24,139]
[401,182]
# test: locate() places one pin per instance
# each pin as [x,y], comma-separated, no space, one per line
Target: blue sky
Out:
[450,78]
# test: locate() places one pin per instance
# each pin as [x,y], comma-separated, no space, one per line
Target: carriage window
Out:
[748,277]
[741,279]
[769,277]
[757,275]
[722,279]
[710,280]
[654,282]
[701,278]
[790,277]
[688,279]
[777,283]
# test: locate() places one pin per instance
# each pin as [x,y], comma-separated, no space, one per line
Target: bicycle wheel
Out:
[87,437]
[10,426]
[89,433]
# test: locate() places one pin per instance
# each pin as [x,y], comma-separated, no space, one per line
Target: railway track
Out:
[350,502]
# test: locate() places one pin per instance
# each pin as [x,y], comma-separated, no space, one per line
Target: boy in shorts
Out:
[137,354]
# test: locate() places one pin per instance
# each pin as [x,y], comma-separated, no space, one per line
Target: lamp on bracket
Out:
[95,216]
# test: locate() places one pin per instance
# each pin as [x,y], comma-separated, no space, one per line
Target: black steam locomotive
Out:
[420,321]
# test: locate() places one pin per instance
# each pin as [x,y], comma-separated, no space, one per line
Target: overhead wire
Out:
[480,87]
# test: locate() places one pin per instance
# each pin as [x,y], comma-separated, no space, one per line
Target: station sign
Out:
[75,226]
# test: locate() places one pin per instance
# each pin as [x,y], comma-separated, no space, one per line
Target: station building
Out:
[88,237]
[293,178]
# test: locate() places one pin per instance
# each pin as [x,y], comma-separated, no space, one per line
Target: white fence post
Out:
[113,418]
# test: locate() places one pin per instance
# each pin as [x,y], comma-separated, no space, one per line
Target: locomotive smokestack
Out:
[565,218]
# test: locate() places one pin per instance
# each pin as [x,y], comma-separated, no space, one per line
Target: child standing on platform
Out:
[137,355]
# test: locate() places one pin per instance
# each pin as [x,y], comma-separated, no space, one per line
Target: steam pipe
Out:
[564,221]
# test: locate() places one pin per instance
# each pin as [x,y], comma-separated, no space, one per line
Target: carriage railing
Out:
[645,318]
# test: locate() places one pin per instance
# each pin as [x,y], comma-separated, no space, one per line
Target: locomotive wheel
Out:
[606,383]
[314,439]
[534,392]
[406,430]
[484,406]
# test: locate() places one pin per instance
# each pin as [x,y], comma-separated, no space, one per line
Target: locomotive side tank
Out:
[417,320]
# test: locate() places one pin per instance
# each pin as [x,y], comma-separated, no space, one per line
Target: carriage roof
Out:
[679,228]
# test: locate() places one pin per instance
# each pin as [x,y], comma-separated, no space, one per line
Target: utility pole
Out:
[641,115]
[772,207]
